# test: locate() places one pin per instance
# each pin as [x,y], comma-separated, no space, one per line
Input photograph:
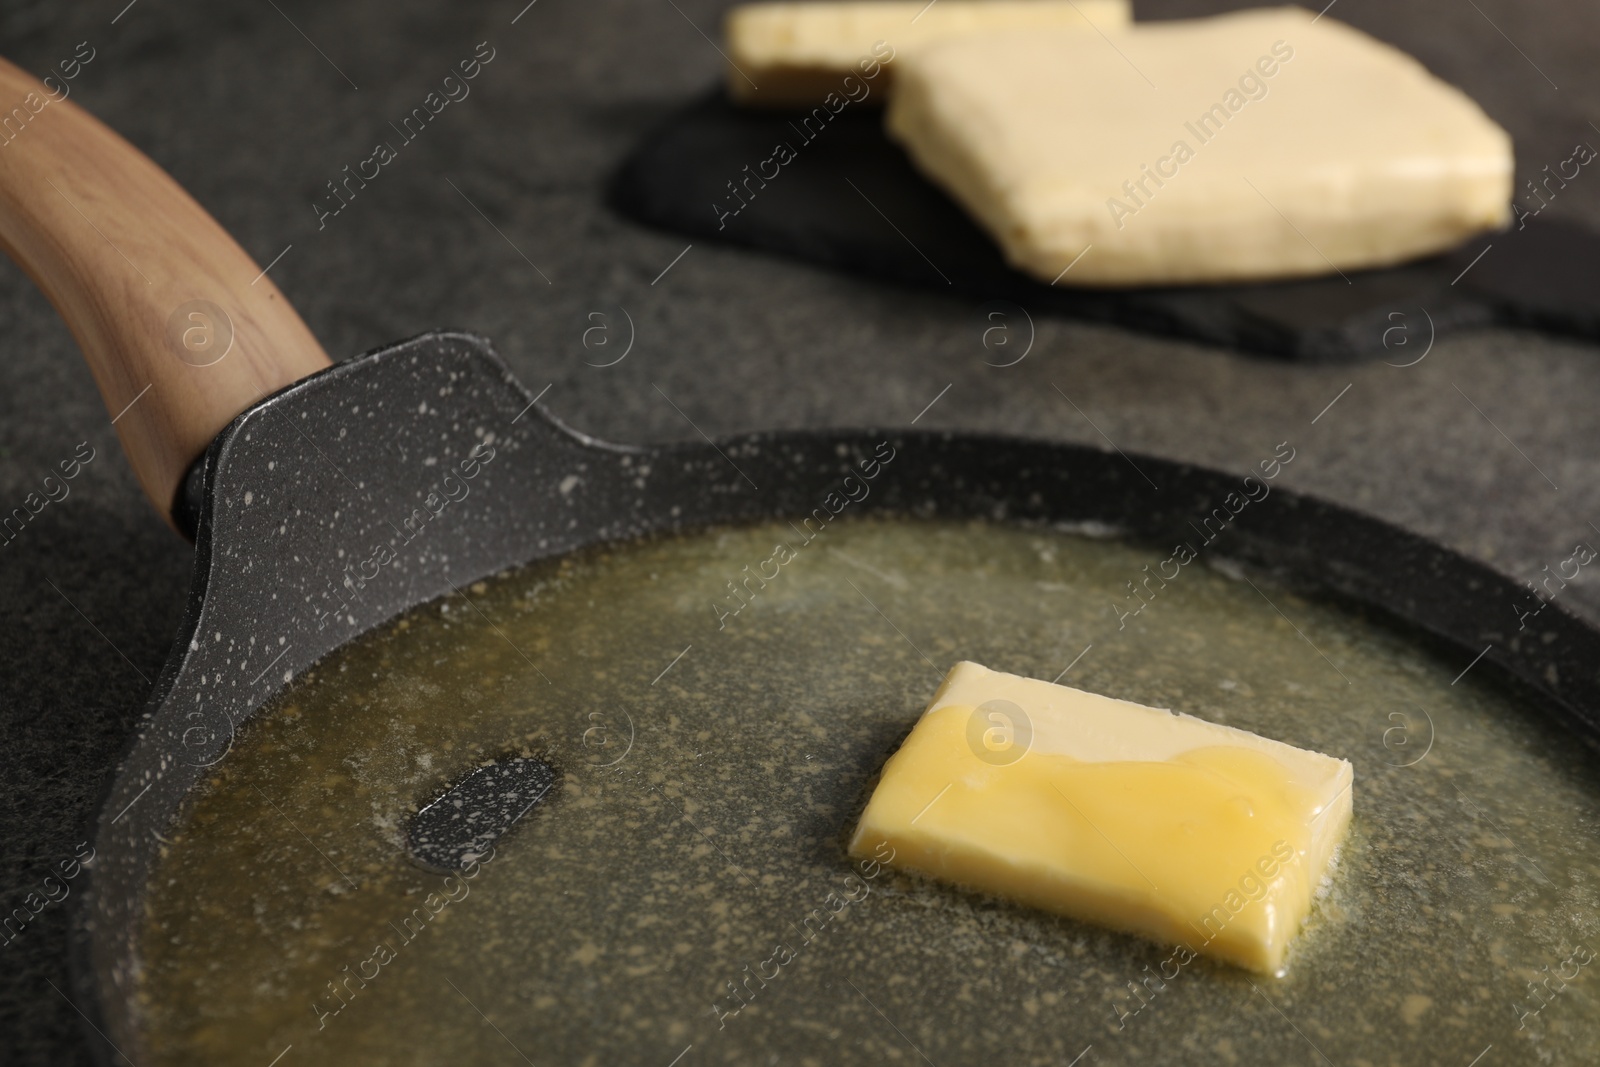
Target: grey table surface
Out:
[493,220]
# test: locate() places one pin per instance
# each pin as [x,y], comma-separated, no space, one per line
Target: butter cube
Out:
[1254,145]
[798,53]
[1140,819]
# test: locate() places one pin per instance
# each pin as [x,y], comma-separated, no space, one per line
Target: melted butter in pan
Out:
[687,883]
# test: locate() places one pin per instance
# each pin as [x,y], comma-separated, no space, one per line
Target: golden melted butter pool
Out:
[685,890]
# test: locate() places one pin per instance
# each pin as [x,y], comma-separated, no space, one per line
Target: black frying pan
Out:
[362,489]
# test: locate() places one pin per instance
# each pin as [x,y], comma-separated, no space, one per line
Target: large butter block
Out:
[1145,820]
[1254,145]
[795,54]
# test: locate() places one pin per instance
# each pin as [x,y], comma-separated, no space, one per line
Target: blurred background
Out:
[493,220]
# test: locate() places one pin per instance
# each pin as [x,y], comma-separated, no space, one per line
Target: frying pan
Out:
[325,499]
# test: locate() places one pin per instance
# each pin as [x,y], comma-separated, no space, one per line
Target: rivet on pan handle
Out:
[179,326]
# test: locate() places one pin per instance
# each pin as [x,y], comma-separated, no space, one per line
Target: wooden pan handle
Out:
[172,315]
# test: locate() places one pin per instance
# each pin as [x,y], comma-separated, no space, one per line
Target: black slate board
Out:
[851,200]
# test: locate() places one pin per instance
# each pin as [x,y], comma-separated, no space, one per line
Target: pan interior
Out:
[711,765]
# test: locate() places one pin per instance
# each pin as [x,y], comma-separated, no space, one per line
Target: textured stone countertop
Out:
[240,105]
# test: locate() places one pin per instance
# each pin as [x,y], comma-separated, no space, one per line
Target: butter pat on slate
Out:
[1248,146]
[795,54]
[1140,819]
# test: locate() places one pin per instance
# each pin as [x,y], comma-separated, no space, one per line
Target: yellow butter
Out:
[1253,145]
[1144,820]
[795,54]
